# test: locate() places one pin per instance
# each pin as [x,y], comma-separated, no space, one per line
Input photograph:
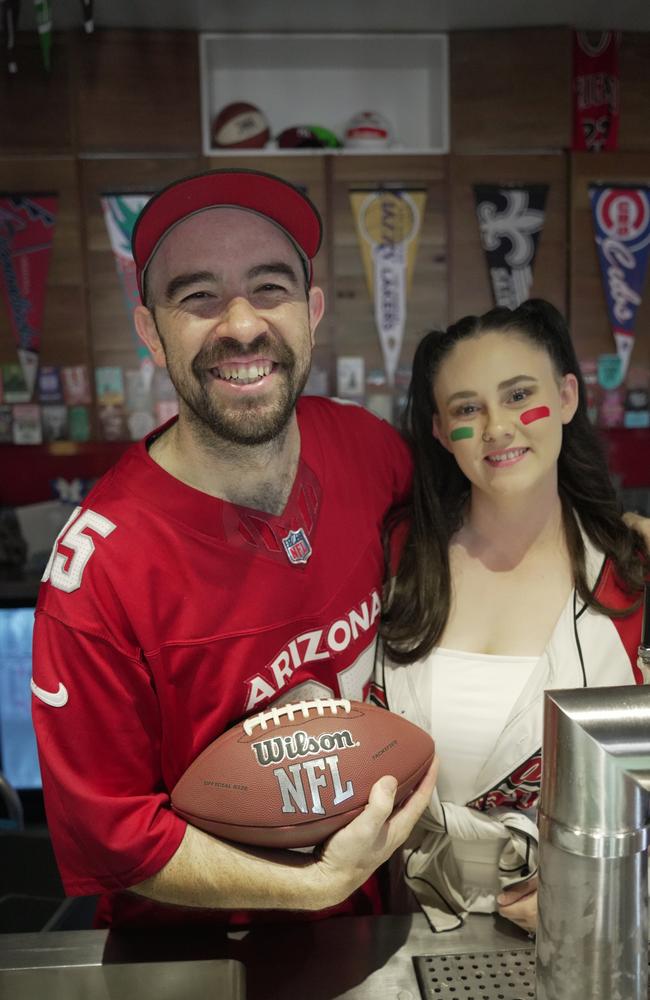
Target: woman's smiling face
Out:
[500,409]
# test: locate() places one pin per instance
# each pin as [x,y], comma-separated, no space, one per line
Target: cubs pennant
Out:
[621,217]
[510,221]
[26,234]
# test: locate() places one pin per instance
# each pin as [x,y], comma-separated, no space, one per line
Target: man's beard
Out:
[245,422]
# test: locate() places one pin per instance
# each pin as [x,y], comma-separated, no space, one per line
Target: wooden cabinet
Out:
[634,63]
[137,92]
[510,90]
[36,114]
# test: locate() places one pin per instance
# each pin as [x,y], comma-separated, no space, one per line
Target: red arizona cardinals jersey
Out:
[168,614]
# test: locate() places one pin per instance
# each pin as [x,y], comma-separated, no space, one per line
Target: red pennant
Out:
[26,232]
[596,91]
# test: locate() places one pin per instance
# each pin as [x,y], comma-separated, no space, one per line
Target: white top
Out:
[472,695]
[470,698]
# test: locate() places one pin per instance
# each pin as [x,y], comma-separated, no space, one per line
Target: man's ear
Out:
[439,433]
[147,331]
[316,309]
[569,395]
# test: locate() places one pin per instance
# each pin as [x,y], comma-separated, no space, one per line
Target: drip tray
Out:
[496,975]
[479,975]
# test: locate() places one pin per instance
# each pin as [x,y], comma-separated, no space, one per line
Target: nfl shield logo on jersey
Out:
[297,546]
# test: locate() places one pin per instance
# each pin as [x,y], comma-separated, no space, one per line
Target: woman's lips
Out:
[501,459]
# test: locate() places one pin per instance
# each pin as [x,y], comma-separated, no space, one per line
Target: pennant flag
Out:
[120,213]
[510,220]
[621,217]
[10,10]
[26,233]
[87,10]
[44,27]
[388,225]
[596,102]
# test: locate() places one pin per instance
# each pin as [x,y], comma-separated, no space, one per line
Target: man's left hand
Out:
[519,904]
[640,524]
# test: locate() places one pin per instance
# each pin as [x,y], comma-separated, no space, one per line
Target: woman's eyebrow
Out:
[470,393]
[517,378]
[464,394]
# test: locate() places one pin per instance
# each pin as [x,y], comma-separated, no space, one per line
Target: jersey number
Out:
[65,572]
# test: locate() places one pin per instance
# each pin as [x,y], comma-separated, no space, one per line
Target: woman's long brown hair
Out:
[418,598]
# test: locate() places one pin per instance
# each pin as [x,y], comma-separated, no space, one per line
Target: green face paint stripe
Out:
[459,433]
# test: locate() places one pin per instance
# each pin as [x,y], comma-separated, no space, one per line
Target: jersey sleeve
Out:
[613,594]
[98,732]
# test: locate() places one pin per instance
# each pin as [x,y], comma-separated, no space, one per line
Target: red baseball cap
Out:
[252,190]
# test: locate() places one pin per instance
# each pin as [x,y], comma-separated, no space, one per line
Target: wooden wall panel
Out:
[138,91]
[113,336]
[470,291]
[35,106]
[126,105]
[64,332]
[588,308]
[634,71]
[510,90]
[355,330]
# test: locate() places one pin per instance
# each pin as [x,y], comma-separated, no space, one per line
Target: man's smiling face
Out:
[233,322]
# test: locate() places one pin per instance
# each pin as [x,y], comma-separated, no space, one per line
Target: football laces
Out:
[299,708]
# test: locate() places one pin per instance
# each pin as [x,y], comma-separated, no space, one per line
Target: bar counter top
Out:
[357,958]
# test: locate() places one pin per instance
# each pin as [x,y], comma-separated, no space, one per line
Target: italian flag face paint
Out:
[460,433]
[537,413]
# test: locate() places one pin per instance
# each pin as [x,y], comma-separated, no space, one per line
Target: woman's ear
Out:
[569,396]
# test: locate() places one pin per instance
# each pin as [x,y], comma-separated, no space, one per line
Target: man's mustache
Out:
[229,349]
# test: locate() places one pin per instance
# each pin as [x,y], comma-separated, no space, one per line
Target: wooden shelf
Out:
[321,79]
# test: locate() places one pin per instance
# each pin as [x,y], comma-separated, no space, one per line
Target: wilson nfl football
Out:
[293,775]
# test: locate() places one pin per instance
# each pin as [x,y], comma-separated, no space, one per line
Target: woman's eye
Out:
[519,395]
[466,410]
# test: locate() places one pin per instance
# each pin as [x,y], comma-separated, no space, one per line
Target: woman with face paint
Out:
[513,572]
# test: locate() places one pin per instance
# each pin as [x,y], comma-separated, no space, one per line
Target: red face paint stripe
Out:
[537,413]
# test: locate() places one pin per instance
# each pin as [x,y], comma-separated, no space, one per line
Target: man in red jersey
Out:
[231,561]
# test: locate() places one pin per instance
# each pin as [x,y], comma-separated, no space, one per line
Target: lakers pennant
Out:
[388,225]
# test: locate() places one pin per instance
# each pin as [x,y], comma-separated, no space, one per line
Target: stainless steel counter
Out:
[356,958]
[213,979]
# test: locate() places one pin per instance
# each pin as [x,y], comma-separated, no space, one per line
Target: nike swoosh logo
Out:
[56,699]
